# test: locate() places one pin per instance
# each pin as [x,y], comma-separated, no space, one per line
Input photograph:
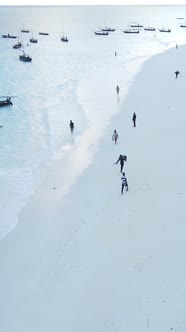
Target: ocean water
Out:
[48,89]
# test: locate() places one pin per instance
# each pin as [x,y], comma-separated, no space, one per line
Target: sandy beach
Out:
[85,258]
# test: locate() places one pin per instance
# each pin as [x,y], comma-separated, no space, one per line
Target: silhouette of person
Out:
[71,125]
[177,73]
[121,159]
[134,119]
[117,89]
[115,53]
[115,136]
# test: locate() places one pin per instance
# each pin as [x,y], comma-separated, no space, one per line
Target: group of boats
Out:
[133,28]
[25,57]
[32,40]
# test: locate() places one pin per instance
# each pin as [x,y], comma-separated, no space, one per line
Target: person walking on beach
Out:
[117,89]
[121,159]
[134,119]
[115,136]
[177,73]
[71,125]
[124,183]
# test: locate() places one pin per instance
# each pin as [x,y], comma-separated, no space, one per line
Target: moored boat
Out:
[183,25]
[149,29]
[44,33]
[18,45]
[136,25]
[101,33]
[165,30]
[25,30]
[25,57]
[5,101]
[64,39]
[33,40]
[131,31]
[107,29]
[9,36]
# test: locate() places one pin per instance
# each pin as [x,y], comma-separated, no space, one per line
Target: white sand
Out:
[96,261]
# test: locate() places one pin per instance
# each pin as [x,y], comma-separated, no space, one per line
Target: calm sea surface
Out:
[37,125]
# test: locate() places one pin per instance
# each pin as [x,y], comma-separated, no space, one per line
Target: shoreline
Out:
[101,102]
[98,261]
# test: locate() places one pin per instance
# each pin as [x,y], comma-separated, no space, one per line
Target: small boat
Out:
[183,25]
[64,39]
[131,31]
[9,36]
[25,30]
[18,45]
[6,101]
[101,33]
[44,33]
[180,18]
[165,30]
[136,25]
[107,29]
[149,29]
[25,57]
[33,40]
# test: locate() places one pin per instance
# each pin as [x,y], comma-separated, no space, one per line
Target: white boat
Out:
[149,29]
[107,29]
[101,33]
[136,25]
[165,30]
[131,31]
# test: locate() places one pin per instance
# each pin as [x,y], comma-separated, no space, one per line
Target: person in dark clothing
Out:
[134,119]
[121,159]
[124,183]
[117,89]
[71,125]
[177,73]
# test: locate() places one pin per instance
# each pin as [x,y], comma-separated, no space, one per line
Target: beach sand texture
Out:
[94,260]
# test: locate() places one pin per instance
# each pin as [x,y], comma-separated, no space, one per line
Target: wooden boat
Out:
[64,39]
[18,45]
[25,57]
[9,36]
[183,25]
[131,31]
[33,40]
[25,30]
[101,33]
[44,33]
[107,29]
[165,30]
[136,25]
[6,101]
[149,29]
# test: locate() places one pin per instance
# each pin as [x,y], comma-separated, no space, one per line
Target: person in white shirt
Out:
[115,136]
[124,183]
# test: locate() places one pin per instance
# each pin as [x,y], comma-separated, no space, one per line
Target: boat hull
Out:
[5,103]
[25,58]
[131,31]
[101,33]
[34,41]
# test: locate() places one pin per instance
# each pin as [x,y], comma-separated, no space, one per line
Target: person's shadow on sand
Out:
[118,99]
